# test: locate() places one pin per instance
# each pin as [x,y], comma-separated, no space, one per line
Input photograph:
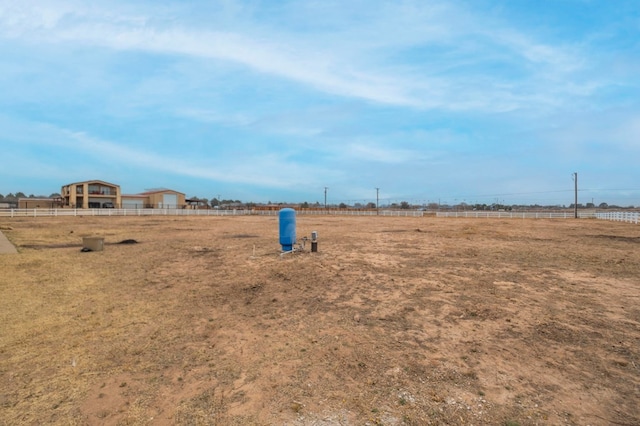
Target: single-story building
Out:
[155,199]
[40,203]
[8,204]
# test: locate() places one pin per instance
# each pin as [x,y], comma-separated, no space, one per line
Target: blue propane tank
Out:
[287,219]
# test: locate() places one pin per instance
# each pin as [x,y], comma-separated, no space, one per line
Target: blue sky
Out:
[458,101]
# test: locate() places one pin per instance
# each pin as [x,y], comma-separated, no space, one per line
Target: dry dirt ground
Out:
[394,321]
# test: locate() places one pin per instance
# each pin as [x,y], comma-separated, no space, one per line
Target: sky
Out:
[475,101]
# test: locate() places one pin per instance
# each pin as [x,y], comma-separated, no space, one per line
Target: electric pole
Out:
[575,202]
[325,197]
[377,201]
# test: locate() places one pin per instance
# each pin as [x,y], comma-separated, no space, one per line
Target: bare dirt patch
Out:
[395,321]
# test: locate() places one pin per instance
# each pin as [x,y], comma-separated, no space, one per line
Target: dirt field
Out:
[394,321]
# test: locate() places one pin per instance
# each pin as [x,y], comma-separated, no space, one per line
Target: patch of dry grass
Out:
[394,321]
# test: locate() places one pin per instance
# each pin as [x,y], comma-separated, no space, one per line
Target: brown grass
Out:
[395,321]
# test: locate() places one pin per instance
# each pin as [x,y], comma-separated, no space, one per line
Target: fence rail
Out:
[631,217]
[338,212]
[195,212]
[119,212]
[517,215]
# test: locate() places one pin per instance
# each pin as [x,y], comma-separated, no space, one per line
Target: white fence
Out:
[338,212]
[632,217]
[516,215]
[190,212]
[119,212]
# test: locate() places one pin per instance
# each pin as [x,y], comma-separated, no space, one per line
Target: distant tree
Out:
[304,205]
[603,205]
[32,196]
[342,206]
[405,205]
[10,197]
[20,195]
[480,207]
[1,197]
[55,195]
[371,205]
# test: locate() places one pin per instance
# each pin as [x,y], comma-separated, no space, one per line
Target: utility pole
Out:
[377,201]
[575,202]
[325,197]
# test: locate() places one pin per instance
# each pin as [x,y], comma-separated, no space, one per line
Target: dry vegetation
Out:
[395,321]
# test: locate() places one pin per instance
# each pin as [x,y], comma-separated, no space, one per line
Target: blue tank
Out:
[287,219]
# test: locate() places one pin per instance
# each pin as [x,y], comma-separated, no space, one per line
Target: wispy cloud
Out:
[353,66]
[318,69]
[274,170]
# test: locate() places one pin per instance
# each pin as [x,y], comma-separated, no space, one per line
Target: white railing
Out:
[516,215]
[119,212]
[631,217]
[339,212]
[196,212]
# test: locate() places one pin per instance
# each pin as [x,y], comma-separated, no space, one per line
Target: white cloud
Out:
[354,66]
[320,69]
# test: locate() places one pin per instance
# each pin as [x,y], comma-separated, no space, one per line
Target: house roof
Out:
[156,191]
[93,181]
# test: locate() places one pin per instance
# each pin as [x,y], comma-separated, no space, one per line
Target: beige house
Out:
[91,194]
[156,199]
